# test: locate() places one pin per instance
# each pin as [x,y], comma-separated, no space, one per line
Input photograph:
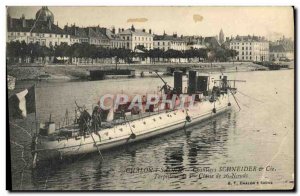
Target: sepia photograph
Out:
[150,98]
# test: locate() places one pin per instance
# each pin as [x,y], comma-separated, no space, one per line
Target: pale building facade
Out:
[166,42]
[132,38]
[250,48]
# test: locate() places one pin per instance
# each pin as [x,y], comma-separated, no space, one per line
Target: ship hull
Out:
[145,128]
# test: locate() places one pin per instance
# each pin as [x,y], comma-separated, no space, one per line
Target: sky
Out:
[271,22]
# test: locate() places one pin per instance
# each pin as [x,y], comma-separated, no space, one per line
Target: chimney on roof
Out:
[132,28]
[122,29]
[23,21]
[175,35]
[144,30]
[150,31]
[113,30]
[119,30]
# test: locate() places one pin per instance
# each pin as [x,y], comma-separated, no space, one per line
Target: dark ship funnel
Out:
[192,82]
[202,84]
[178,82]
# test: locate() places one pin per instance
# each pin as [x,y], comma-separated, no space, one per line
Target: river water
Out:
[260,135]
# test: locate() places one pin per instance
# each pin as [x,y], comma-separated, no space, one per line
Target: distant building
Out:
[131,38]
[91,35]
[250,48]
[166,42]
[211,42]
[40,30]
[194,42]
[278,53]
[282,49]
[221,37]
[116,41]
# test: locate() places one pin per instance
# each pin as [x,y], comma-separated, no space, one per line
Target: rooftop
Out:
[31,25]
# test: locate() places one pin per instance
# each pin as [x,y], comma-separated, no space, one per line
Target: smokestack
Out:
[202,84]
[192,82]
[178,81]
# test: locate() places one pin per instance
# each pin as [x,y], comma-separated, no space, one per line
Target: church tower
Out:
[221,37]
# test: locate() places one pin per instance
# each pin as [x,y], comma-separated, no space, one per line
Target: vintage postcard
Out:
[150,98]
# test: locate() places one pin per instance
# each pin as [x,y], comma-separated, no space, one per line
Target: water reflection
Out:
[179,151]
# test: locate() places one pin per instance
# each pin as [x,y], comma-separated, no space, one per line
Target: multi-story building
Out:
[40,30]
[166,42]
[250,48]
[280,53]
[194,42]
[77,34]
[131,38]
[91,35]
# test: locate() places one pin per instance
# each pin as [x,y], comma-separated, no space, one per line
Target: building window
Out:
[246,48]
[242,53]
[18,33]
